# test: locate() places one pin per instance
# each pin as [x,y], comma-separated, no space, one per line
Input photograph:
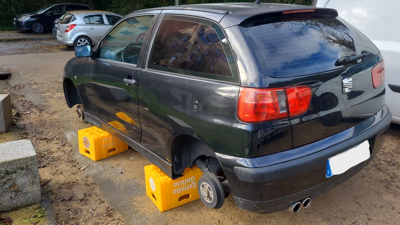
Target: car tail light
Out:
[378,74]
[299,11]
[259,105]
[298,99]
[70,27]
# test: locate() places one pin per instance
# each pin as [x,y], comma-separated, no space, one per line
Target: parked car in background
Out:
[275,103]
[79,28]
[42,19]
[383,30]
[56,21]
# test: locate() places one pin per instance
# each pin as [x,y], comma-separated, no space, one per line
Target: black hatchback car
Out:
[43,19]
[275,103]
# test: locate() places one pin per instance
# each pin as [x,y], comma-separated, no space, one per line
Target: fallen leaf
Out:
[83,167]
[44,182]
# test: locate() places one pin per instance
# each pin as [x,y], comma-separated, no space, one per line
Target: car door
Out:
[96,27]
[110,90]
[188,85]
[52,14]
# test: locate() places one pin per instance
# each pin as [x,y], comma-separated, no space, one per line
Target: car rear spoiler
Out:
[269,15]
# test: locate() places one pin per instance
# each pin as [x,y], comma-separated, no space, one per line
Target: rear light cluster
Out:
[378,74]
[259,105]
[70,27]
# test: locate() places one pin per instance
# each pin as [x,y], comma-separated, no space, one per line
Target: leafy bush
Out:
[11,8]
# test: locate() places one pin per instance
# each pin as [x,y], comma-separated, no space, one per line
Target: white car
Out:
[379,21]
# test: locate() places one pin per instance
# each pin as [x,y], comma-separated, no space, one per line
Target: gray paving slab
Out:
[19,175]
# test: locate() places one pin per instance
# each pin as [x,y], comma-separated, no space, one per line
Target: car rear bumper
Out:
[54,32]
[65,40]
[273,182]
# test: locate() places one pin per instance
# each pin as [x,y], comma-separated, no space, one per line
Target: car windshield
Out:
[300,47]
[43,9]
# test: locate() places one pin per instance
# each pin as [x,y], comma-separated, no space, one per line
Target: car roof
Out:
[234,13]
[67,4]
[88,12]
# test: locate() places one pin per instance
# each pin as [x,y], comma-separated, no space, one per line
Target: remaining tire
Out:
[80,111]
[81,41]
[37,27]
[211,192]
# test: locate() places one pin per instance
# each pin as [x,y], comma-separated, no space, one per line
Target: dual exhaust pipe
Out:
[296,206]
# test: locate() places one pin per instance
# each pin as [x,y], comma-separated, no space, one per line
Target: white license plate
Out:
[342,162]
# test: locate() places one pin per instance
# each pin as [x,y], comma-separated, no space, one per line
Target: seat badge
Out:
[347,85]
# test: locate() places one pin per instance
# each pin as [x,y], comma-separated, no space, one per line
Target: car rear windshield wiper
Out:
[347,59]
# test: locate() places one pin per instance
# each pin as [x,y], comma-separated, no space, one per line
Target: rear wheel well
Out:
[71,94]
[186,150]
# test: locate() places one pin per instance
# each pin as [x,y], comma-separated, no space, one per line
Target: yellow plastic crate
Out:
[167,193]
[98,144]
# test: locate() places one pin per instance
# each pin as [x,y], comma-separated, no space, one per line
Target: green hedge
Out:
[11,8]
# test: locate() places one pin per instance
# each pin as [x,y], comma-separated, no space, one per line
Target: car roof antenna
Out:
[257,2]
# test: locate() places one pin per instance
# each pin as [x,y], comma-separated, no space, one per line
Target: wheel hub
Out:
[82,41]
[206,192]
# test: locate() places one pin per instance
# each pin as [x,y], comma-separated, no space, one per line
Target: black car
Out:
[43,19]
[275,103]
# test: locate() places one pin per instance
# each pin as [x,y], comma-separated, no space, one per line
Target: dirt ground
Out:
[112,191]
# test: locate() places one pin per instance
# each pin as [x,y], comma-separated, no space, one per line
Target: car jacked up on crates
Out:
[274,103]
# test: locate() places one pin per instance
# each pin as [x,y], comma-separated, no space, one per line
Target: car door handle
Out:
[91,28]
[129,81]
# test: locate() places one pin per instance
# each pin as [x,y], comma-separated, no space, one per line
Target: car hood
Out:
[26,14]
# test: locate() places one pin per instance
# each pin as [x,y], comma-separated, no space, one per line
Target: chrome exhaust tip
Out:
[306,203]
[295,207]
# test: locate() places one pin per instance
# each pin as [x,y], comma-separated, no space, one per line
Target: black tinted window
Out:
[112,19]
[191,48]
[72,7]
[94,19]
[300,47]
[57,9]
[84,7]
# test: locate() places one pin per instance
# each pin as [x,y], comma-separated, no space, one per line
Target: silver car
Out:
[79,28]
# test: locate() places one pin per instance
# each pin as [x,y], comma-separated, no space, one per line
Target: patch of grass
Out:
[6,28]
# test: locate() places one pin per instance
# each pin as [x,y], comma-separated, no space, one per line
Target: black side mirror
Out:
[50,13]
[83,51]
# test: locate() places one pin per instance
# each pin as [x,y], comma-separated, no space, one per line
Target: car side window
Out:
[191,47]
[112,19]
[57,9]
[125,41]
[72,7]
[84,7]
[94,19]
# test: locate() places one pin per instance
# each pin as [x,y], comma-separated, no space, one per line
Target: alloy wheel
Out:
[37,27]
[82,42]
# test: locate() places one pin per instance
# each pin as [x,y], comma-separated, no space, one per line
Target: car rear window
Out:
[67,18]
[300,47]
